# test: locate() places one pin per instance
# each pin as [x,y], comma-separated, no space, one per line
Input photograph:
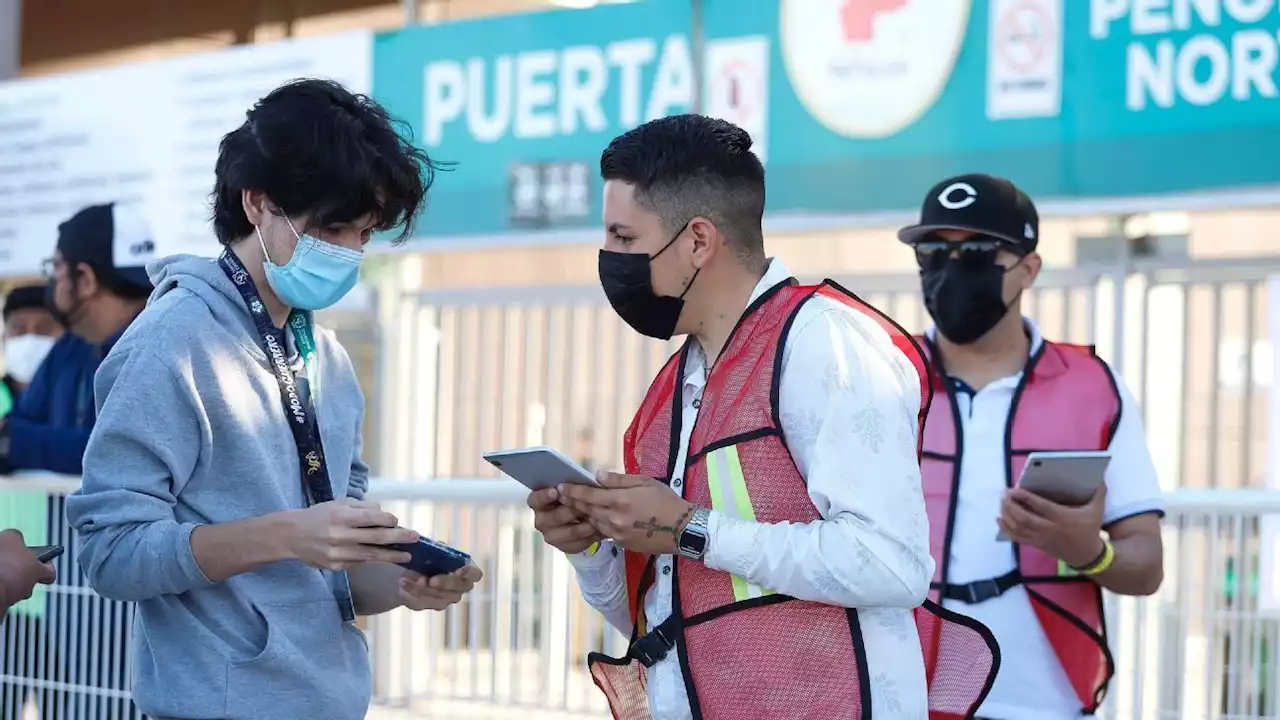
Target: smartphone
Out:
[539,467]
[1067,477]
[47,553]
[431,558]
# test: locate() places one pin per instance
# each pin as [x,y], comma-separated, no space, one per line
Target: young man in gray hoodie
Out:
[223,483]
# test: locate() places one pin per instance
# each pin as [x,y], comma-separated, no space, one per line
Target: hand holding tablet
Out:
[1066,477]
[543,470]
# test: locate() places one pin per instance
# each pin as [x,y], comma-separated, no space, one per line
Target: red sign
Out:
[858,16]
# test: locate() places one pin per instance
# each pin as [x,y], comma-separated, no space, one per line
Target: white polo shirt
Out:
[1031,684]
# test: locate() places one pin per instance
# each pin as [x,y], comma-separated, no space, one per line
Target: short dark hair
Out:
[315,148]
[685,166]
[25,297]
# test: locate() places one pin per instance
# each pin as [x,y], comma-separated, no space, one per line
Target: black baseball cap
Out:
[981,204]
[114,239]
[24,297]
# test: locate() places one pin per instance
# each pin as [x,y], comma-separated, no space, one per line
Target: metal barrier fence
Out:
[465,371]
[1204,647]
[459,372]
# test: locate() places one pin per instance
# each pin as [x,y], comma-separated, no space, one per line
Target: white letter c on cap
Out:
[970,196]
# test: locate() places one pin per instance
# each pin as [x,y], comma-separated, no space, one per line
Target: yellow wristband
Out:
[1104,564]
[595,548]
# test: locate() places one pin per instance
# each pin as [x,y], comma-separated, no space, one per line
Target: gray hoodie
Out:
[191,430]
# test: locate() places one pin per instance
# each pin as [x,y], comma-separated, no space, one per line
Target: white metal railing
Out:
[1203,647]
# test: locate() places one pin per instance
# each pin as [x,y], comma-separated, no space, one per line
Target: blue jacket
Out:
[50,426]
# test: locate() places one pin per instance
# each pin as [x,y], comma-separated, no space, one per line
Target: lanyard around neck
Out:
[298,409]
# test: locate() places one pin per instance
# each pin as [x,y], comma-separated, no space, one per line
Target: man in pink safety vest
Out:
[1002,391]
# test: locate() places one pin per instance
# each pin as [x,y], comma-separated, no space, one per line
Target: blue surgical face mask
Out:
[317,276]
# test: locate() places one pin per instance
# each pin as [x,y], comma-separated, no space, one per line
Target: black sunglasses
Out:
[934,251]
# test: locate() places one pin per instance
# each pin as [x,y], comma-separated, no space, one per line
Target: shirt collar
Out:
[1033,332]
[696,366]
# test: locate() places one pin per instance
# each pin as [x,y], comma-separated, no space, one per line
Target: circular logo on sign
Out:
[869,68]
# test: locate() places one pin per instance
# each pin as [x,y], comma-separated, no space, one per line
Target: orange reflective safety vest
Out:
[745,650]
[1067,400]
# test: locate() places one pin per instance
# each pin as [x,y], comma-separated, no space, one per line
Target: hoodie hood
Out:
[201,275]
[204,278]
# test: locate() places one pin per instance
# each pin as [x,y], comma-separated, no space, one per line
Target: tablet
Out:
[431,558]
[1069,477]
[540,467]
[1066,477]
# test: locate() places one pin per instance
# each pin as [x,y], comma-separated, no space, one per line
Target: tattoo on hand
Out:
[652,526]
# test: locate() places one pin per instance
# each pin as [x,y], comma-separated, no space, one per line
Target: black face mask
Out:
[627,280]
[965,301]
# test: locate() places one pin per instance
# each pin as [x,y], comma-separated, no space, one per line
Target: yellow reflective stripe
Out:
[728,489]
[738,484]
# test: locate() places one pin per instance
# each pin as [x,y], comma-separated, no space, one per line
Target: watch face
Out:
[693,543]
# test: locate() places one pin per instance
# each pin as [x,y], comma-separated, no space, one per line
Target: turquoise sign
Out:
[873,101]
[524,105]
[855,105]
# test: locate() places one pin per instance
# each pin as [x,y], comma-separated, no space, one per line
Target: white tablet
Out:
[539,467]
[1066,477]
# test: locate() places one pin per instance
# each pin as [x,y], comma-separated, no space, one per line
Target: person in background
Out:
[30,331]
[224,482]
[1001,391]
[97,284]
[768,551]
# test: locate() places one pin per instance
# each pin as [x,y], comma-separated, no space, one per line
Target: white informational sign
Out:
[1024,59]
[145,133]
[1269,555]
[737,86]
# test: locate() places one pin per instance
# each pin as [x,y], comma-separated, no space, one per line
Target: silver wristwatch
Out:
[695,538]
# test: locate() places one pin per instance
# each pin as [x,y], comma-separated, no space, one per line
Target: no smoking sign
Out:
[1023,34]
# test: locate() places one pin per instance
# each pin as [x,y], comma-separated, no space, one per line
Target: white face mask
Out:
[24,354]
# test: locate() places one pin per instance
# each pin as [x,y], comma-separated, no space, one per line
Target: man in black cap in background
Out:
[1029,568]
[97,285]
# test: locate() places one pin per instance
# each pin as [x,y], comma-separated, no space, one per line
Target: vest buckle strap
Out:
[980,591]
[656,645]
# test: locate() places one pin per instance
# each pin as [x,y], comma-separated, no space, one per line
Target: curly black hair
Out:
[316,149]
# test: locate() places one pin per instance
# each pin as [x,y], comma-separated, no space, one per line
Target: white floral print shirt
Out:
[849,403]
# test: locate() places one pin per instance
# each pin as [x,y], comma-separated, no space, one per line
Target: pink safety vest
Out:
[1067,400]
[746,651]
